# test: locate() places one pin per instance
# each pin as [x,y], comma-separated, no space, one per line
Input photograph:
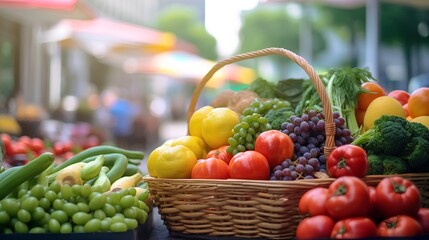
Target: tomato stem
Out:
[391,224]
[342,163]
[398,188]
[341,190]
[342,230]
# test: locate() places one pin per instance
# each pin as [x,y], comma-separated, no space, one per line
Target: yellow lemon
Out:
[175,162]
[422,119]
[196,120]
[151,160]
[196,144]
[217,126]
[384,105]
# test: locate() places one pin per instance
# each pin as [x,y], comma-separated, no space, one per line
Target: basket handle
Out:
[314,77]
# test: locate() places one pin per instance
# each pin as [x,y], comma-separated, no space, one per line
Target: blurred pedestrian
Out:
[123,113]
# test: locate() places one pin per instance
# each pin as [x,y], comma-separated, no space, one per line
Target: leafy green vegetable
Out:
[343,88]
[263,88]
[290,90]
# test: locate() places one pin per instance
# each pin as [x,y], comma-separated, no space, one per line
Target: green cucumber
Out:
[97,150]
[26,172]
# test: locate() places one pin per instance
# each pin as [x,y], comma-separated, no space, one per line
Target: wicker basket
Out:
[247,208]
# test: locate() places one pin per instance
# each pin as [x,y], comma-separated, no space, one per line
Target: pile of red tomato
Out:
[18,150]
[271,148]
[349,208]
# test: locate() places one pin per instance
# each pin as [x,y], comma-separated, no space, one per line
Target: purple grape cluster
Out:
[308,135]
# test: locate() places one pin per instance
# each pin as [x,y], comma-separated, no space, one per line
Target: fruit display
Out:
[97,190]
[281,143]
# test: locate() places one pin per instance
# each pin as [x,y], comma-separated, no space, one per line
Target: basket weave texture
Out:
[248,208]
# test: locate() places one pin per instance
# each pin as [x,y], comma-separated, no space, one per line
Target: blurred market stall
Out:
[113,41]
[44,11]
[188,67]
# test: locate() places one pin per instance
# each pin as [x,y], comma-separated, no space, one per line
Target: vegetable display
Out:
[392,139]
[356,210]
[97,190]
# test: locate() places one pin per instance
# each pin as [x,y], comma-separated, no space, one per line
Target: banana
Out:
[92,169]
[70,175]
[126,182]
[103,181]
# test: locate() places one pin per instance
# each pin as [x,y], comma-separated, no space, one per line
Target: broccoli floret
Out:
[418,130]
[388,135]
[276,117]
[417,154]
[375,164]
[394,165]
[381,164]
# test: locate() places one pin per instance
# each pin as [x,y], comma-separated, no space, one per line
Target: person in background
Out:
[123,113]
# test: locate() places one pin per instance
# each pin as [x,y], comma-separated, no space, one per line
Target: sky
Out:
[223,21]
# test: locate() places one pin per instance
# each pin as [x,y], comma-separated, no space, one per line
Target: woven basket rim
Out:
[301,62]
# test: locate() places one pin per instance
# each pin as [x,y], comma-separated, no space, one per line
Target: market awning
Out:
[188,67]
[44,11]
[102,36]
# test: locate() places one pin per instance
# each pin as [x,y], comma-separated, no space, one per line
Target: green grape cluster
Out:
[263,106]
[66,209]
[246,132]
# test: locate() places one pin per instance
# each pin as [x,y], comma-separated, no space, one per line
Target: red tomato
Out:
[400,95]
[210,168]
[7,143]
[68,155]
[67,146]
[399,226]
[358,227]
[418,102]
[26,140]
[19,148]
[58,148]
[313,201]
[249,165]
[348,197]
[347,160]
[373,212]
[423,219]
[275,146]
[397,195]
[37,145]
[374,90]
[220,153]
[317,227]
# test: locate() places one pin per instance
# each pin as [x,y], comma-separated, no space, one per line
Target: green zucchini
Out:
[97,150]
[9,171]
[131,169]
[26,172]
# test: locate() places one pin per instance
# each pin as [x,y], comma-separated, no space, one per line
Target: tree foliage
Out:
[183,22]
[272,27]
